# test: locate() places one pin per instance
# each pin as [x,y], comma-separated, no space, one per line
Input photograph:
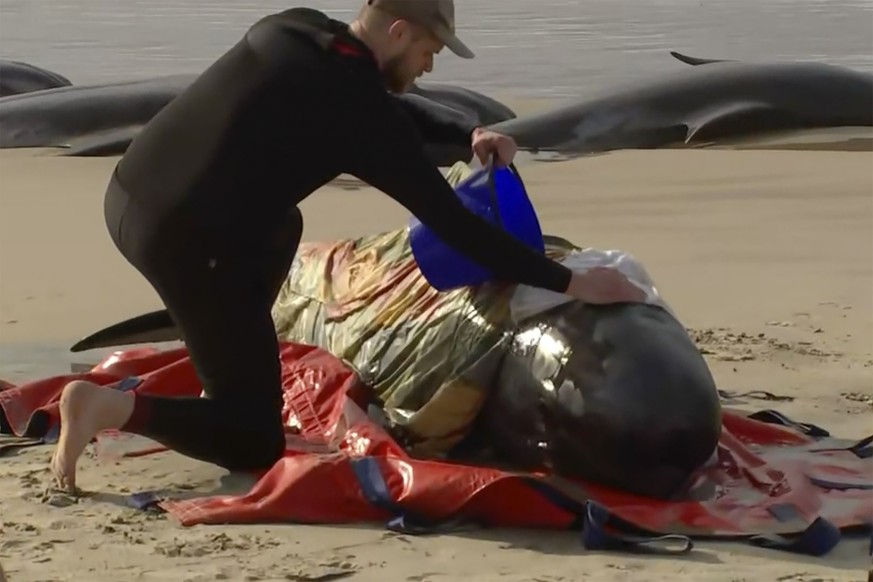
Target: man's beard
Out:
[393,75]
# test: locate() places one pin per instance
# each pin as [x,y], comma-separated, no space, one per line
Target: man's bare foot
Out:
[85,409]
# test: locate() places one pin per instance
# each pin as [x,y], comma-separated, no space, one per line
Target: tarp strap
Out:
[604,530]
[595,535]
[775,417]
[375,489]
[817,540]
[839,485]
[870,548]
[601,529]
[10,444]
[52,434]
[756,394]
[863,448]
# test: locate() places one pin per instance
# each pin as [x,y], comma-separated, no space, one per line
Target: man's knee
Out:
[255,450]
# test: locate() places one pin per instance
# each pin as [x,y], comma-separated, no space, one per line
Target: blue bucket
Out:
[496,194]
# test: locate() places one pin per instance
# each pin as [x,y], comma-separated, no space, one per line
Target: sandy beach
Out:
[766,254]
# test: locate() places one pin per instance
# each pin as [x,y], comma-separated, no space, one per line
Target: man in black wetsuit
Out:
[204,205]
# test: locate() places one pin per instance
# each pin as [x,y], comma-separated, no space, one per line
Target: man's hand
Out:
[486,142]
[602,285]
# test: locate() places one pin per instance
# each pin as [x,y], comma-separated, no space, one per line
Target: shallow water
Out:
[527,48]
[546,48]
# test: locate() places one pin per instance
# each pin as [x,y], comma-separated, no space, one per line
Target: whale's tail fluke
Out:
[153,327]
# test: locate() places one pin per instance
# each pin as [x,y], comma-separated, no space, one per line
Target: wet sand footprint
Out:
[205,545]
[33,478]
[309,568]
[320,574]
[15,535]
[40,552]
[17,527]
[726,345]
[59,498]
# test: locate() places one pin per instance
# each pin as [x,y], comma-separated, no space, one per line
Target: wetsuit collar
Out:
[329,33]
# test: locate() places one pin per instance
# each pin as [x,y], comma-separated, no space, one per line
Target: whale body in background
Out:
[719,100]
[711,102]
[487,109]
[102,119]
[61,116]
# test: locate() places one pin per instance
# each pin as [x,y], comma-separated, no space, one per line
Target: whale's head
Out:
[617,395]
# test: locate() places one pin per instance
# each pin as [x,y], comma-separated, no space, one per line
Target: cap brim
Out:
[454,44]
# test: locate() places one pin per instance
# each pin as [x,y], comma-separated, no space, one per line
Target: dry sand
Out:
[766,255]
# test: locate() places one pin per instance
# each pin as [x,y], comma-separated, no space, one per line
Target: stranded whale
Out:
[102,119]
[699,105]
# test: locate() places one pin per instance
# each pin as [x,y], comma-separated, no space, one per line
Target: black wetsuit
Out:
[204,205]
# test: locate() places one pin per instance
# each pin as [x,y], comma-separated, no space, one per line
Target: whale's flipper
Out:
[153,327]
[695,60]
[109,143]
[731,119]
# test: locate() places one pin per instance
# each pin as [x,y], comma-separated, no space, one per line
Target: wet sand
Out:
[766,254]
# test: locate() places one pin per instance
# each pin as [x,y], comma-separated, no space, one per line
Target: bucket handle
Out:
[492,169]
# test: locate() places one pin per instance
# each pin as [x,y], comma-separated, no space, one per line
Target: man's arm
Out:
[385,150]
[436,122]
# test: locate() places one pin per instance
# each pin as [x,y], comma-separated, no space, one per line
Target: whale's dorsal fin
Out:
[695,60]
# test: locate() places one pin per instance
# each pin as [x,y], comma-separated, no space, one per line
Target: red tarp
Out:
[340,467]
